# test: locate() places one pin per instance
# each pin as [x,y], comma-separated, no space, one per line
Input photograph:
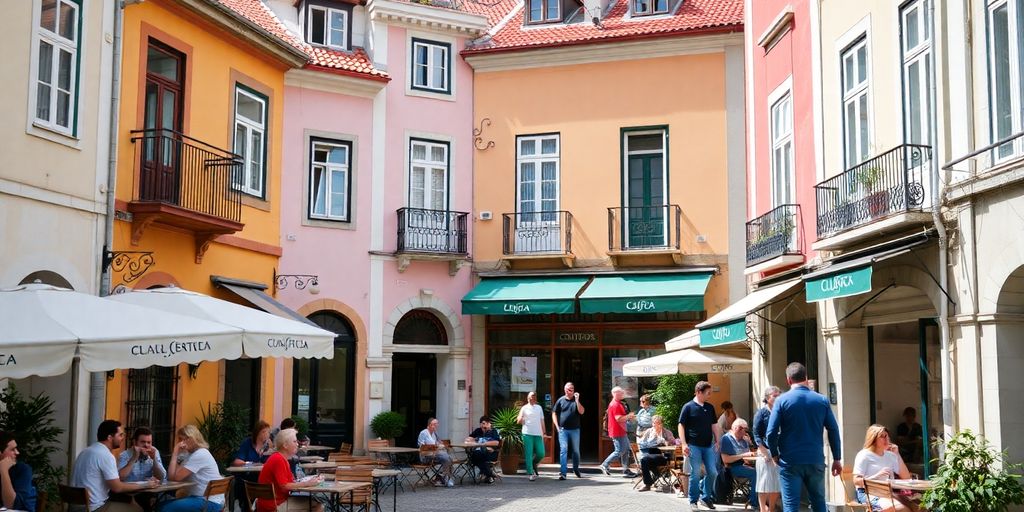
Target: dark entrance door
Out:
[645,188]
[802,345]
[579,366]
[242,385]
[165,76]
[413,393]
[324,388]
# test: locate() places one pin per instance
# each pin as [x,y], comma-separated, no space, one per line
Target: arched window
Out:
[420,327]
[47,277]
[324,388]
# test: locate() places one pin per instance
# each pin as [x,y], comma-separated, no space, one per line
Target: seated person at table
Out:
[651,457]
[428,436]
[16,489]
[191,461]
[276,472]
[256,448]
[880,460]
[141,461]
[289,423]
[96,470]
[734,447]
[482,456]
[909,436]
[644,415]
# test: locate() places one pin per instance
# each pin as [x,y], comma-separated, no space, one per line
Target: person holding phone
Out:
[879,460]
[142,460]
[566,417]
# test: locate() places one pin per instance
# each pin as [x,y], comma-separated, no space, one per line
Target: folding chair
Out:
[382,458]
[881,489]
[425,468]
[846,480]
[362,499]
[217,488]
[74,496]
[346,449]
[255,491]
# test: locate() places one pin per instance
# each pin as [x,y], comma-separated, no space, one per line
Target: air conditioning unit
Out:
[486,215]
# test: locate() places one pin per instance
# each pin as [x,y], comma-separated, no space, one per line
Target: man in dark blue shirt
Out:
[566,417]
[794,438]
[699,433]
[482,456]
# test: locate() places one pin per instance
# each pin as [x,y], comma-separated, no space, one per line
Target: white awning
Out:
[688,339]
[691,360]
[729,325]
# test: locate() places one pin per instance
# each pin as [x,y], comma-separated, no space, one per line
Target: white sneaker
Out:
[451,483]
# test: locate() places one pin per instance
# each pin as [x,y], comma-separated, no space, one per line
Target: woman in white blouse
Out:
[879,460]
[531,417]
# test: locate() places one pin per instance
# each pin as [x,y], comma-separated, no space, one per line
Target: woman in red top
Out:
[276,471]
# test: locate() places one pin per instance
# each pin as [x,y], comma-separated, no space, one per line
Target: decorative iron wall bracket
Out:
[478,139]
[299,281]
[130,264]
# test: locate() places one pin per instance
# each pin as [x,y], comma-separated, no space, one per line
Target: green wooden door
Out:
[646,212]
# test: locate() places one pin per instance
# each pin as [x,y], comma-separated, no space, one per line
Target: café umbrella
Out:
[263,334]
[44,327]
[689,360]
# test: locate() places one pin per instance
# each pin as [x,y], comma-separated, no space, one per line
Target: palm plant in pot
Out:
[511,432]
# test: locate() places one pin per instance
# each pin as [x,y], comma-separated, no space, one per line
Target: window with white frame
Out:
[329,179]
[648,7]
[428,175]
[856,112]
[537,164]
[1006,65]
[327,27]
[431,66]
[545,11]
[916,49]
[250,140]
[783,187]
[57,40]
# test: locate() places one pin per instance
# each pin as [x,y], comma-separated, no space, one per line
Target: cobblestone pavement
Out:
[547,494]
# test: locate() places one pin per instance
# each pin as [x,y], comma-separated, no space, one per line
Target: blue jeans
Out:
[709,457]
[621,450]
[744,471]
[566,436]
[189,504]
[796,477]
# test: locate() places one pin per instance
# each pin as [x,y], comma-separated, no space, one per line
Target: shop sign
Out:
[724,333]
[516,308]
[7,359]
[577,337]
[841,284]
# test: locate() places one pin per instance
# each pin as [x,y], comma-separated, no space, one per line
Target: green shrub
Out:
[974,477]
[31,421]
[225,426]
[672,393]
[301,426]
[388,424]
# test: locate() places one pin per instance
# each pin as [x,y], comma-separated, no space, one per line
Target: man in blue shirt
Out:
[794,438]
[482,456]
[699,434]
[734,448]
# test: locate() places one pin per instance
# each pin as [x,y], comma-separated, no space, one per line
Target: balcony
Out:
[185,183]
[644,234]
[432,235]
[774,240]
[537,237]
[883,195]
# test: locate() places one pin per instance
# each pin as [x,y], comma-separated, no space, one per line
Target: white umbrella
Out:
[690,360]
[264,334]
[42,326]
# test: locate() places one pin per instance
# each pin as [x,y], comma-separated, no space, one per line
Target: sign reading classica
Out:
[839,284]
[7,359]
[170,349]
[287,344]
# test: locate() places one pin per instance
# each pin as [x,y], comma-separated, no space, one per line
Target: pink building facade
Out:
[377,195]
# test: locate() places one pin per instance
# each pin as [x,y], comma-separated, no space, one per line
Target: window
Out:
[783,189]
[647,7]
[151,397]
[327,27]
[250,140]
[545,11]
[56,75]
[431,66]
[856,113]
[428,175]
[329,180]
[916,49]
[1006,63]
[537,162]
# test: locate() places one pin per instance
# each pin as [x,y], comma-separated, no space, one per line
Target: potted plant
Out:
[974,477]
[224,425]
[388,425]
[511,433]
[877,196]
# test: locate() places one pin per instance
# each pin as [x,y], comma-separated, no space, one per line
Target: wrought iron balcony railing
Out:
[774,234]
[177,170]
[432,231]
[894,182]
[537,233]
[644,227]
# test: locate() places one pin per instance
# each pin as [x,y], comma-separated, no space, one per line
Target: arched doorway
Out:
[414,374]
[324,389]
[47,277]
[1008,358]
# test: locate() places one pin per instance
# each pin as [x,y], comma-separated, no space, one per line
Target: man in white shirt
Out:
[441,458]
[96,470]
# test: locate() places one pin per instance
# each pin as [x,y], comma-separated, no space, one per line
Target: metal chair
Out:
[426,468]
[255,491]
[217,488]
[881,489]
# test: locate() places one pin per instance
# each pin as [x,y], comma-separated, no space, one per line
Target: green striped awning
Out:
[645,293]
[523,296]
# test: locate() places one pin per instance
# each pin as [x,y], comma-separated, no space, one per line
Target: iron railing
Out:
[179,170]
[644,227]
[774,234]
[432,231]
[152,393]
[893,182]
[537,232]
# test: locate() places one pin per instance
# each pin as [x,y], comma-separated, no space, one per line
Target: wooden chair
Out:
[426,468]
[362,499]
[74,496]
[217,488]
[346,448]
[382,458]
[846,480]
[881,489]
[255,491]
[680,471]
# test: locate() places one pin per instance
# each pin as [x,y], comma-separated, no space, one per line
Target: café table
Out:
[248,468]
[466,467]
[316,466]
[317,448]
[310,458]
[335,490]
[393,452]
[912,484]
[163,487]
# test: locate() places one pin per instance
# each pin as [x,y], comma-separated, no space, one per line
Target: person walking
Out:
[566,417]
[699,434]
[794,438]
[617,415]
[531,417]
[768,486]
